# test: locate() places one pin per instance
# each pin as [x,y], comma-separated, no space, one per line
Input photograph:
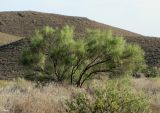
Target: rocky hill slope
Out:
[23,24]
[7,39]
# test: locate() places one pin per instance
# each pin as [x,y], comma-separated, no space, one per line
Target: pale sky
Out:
[140,16]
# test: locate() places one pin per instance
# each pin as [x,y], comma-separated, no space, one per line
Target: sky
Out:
[140,16]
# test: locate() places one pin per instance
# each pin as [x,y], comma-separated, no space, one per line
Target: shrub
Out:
[114,98]
[58,54]
[152,72]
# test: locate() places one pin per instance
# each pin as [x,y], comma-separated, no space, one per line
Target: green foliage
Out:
[116,97]
[59,54]
[152,72]
[79,104]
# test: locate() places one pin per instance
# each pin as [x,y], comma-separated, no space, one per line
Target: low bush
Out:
[152,72]
[114,98]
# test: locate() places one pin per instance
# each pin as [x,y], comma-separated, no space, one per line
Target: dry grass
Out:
[6,38]
[151,87]
[20,96]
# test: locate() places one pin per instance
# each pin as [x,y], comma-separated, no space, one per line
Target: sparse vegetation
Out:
[57,54]
[150,87]
[21,96]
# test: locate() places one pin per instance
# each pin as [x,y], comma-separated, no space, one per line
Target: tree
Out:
[58,54]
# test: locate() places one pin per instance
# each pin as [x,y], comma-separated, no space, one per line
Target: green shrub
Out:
[80,104]
[152,72]
[58,54]
[114,98]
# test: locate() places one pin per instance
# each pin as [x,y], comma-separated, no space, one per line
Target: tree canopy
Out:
[56,54]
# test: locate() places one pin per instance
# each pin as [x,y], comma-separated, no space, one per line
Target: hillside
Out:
[23,24]
[6,38]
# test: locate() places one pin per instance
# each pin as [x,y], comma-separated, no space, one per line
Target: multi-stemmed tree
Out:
[55,54]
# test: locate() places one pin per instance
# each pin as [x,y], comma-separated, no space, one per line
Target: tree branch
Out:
[94,72]
[88,67]
[74,69]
